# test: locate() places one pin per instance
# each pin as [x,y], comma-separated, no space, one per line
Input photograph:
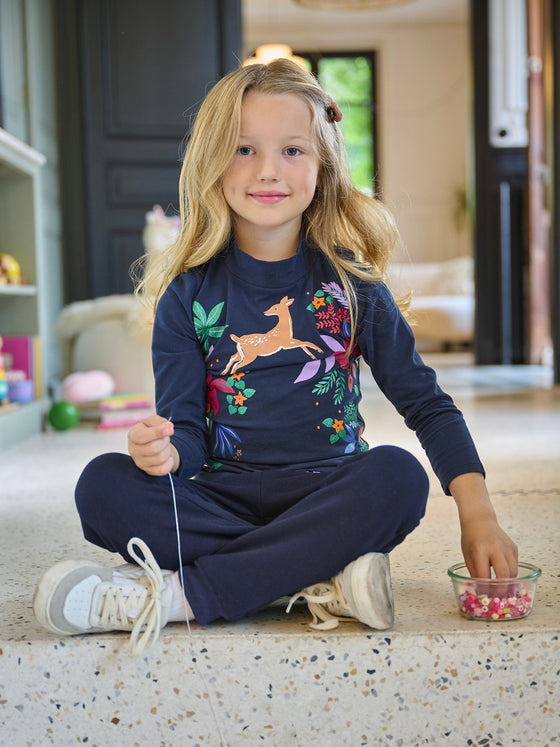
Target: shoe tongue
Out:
[324,590]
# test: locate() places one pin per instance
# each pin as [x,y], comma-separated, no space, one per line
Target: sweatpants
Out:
[251,537]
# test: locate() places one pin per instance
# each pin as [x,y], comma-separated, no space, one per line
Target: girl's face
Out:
[273,175]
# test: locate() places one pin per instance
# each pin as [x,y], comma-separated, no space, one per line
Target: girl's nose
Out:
[268,167]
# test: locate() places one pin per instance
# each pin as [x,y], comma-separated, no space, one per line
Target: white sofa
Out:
[113,333]
[110,334]
[442,307]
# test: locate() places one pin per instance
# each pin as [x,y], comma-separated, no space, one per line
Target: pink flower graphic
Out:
[212,388]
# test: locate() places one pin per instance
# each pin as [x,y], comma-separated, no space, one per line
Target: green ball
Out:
[63,415]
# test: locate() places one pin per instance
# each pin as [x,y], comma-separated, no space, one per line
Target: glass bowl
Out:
[494,599]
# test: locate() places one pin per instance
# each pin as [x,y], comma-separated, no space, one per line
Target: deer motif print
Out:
[278,338]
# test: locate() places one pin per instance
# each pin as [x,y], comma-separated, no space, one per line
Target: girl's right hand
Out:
[150,446]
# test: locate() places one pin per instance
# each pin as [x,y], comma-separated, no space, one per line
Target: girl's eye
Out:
[244,150]
[293,151]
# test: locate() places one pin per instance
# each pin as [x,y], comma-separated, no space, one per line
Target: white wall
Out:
[424,125]
[424,104]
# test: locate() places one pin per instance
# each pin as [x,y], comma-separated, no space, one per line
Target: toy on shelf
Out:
[3,382]
[22,364]
[10,271]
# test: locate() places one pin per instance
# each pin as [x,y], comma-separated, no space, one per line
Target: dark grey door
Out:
[141,69]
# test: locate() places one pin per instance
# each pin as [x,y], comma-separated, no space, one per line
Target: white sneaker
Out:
[76,597]
[362,591]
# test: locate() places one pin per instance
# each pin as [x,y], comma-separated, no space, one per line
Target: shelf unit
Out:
[21,235]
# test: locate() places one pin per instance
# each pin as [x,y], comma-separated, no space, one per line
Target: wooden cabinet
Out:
[21,306]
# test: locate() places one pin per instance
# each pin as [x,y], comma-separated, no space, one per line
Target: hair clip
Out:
[333,112]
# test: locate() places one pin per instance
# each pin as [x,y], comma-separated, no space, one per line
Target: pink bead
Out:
[495,608]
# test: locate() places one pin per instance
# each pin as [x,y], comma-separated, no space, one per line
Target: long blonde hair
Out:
[339,215]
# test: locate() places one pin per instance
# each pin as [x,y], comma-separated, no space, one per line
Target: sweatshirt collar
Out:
[280,274]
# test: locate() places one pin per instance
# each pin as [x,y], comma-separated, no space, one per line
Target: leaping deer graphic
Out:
[279,338]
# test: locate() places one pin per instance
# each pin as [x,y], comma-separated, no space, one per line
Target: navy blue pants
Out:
[249,538]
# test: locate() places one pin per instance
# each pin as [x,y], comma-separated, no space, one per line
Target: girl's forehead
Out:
[255,101]
[283,111]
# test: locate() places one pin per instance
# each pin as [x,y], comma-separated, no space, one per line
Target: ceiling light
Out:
[268,52]
[349,4]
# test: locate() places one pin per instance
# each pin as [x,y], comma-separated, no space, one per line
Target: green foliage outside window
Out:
[349,81]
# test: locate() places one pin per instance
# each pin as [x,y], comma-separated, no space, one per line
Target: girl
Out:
[270,296]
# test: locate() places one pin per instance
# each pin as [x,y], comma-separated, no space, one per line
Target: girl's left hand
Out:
[485,545]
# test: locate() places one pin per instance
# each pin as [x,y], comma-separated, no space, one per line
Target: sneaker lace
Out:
[118,607]
[326,602]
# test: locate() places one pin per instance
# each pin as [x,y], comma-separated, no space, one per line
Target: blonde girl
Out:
[265,306]
[339,216]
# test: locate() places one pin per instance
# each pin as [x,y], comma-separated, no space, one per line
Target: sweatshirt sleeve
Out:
[388,346]
[180,374]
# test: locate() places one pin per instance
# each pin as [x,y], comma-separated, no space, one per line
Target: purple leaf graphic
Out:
[333,344]
[308,371]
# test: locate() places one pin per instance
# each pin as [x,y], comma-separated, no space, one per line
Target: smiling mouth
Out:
[268,198]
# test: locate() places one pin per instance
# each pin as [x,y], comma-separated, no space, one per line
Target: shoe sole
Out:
[372,592]
[46,589]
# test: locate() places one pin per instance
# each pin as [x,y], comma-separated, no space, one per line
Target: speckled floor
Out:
[435,678]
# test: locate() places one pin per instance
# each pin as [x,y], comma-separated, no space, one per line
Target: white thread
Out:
[193,654]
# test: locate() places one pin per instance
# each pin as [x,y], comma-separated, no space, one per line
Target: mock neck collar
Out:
[280,274]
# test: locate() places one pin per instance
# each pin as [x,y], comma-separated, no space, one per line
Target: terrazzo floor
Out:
[435,678]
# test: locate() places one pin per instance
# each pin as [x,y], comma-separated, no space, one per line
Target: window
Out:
[350,79]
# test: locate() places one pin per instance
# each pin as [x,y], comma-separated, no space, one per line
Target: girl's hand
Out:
[485,546]
[484,543]
[150,447]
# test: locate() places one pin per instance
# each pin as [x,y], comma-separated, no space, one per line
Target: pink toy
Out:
[87,386]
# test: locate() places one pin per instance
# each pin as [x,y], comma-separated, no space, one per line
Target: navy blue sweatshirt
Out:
[250,365]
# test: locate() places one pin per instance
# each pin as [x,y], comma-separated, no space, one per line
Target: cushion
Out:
[443,319]
[449,277]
